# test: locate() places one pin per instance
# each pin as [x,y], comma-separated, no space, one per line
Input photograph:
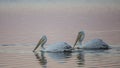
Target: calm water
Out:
[15,56]
[25,21]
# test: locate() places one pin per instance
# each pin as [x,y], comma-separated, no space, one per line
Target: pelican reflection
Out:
[42,59]
[80,59]
[63,56]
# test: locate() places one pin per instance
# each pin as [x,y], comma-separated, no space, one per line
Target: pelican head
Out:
[80,38]
[42,41]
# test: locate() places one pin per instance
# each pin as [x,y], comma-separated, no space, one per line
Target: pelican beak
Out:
[76,41]
[80,38]
[40,43]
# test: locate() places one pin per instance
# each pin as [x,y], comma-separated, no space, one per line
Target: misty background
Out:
[25,21]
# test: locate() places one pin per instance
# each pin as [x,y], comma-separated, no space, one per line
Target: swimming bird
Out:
[57,47]
[92,44]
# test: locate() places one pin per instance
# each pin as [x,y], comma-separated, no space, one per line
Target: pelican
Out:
[64,47]
[93,44]
[57,47]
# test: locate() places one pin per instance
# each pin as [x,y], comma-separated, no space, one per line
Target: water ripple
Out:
[23,57]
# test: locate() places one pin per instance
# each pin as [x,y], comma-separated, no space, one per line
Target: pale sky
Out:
[25,21]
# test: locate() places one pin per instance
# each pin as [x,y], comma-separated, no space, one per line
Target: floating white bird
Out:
[93,44]
[63,46]
[57,47]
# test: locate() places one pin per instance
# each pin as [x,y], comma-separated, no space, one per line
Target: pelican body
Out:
[57,47]
[95,44]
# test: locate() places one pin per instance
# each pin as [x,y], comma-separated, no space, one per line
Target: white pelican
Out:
[93,44]
[57,47]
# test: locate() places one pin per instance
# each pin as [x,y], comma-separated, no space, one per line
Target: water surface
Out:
[15,56]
